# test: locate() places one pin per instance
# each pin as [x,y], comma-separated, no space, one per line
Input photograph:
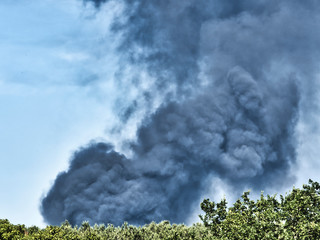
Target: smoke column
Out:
[235,78]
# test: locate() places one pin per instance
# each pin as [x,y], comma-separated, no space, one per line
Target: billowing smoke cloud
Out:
[237,76]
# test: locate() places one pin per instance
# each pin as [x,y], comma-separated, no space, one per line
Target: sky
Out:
[65,82]
[49,50]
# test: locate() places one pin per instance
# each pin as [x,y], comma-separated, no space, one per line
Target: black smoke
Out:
[236,78]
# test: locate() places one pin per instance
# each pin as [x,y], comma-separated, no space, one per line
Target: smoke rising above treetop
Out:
[234,78]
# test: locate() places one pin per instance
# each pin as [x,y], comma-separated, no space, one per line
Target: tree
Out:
[296,216]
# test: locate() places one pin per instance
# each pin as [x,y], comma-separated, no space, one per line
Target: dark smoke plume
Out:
[237,76]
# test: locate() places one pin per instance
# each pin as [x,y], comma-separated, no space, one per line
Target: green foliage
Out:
[294,216]
[152,231]
[11,232]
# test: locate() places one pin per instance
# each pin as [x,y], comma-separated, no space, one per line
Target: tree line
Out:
[293,216]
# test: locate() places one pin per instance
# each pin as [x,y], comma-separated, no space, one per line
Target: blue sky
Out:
[57,91]
[50,51]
